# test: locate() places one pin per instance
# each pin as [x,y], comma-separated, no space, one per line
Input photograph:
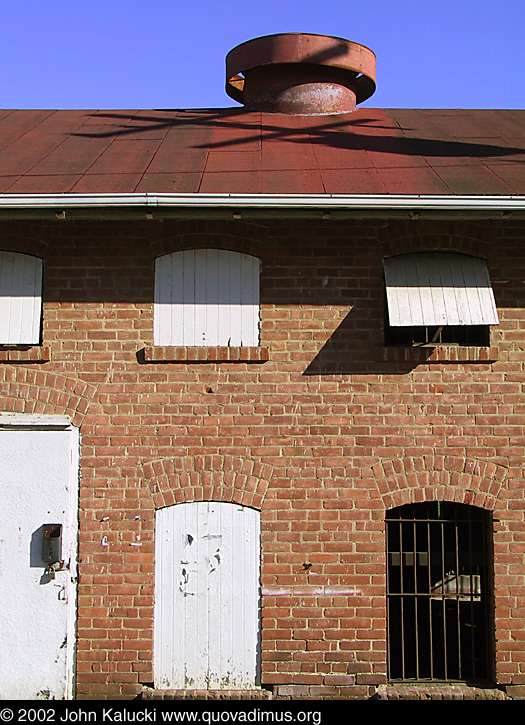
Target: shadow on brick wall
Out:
[353,348]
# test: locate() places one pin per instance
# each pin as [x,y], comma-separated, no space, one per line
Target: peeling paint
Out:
[192,645]
[36,653]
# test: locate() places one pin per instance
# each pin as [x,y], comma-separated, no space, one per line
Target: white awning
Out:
[436,288]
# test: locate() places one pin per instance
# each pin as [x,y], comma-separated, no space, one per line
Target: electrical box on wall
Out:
[52,543]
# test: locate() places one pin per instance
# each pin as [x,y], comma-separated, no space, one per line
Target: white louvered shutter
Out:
[20,299]
[206,297]
[207,564]
[436,288]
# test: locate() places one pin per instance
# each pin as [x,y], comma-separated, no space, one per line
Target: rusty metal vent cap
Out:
[300,73]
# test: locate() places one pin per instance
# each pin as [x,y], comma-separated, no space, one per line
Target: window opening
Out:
[207,297]
[20,299]
[434,335]
[437,298]
[439,592]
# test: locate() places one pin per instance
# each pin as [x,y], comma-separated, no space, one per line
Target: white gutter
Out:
[57,202]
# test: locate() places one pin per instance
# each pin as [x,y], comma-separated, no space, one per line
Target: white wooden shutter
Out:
[207,297]
[438,288]
[207,563]
[20,298]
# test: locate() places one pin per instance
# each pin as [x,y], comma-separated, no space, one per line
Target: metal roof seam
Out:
[23,132]
[97,158]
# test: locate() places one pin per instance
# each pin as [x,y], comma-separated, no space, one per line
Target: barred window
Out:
[439,593]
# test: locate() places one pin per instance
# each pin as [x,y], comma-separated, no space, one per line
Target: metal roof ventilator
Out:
[300,74]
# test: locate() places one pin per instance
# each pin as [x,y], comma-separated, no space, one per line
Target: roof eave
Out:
[166,205]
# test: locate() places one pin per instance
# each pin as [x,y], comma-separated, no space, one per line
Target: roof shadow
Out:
[341,134]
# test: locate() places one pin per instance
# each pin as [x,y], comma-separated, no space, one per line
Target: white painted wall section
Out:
[207,596]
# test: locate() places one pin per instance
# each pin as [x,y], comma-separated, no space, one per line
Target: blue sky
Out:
[170,53]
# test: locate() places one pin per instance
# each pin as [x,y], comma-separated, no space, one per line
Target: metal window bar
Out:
[439,593]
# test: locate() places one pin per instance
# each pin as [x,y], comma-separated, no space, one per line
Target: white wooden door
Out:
[207,596]
[39,484]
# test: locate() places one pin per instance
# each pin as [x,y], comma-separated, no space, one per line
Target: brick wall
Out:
[322,437]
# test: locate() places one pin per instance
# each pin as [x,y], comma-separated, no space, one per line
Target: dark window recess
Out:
[431,335]
[439,593]
[473,335]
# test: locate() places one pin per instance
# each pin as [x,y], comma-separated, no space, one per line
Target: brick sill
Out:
[204,354]
[438,691]
[189,694]
[25,354]
[438,354]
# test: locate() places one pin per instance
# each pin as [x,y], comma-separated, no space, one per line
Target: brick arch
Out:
[439,478]
[208,478]
[406,237]
[31,243]
[194,234]
[26,390]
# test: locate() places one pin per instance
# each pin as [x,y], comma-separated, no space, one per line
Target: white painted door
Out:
[207,596]
[39,484]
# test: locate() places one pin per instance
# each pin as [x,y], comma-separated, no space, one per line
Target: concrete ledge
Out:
[28,420]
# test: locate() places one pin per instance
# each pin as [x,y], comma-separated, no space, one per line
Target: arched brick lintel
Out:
[417,236]
[415,479]
[208,478]
[32,391]
[201,234]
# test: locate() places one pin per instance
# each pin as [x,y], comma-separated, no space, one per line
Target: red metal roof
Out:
[228,150]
